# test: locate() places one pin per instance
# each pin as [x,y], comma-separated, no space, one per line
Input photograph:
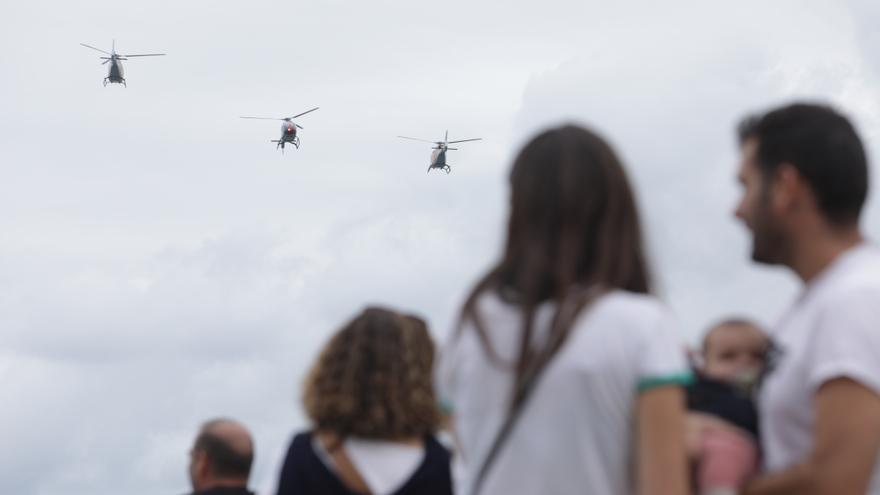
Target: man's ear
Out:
[202,465]
[786,190]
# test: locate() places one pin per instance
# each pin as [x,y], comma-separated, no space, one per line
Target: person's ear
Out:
[202,465]
[786,190]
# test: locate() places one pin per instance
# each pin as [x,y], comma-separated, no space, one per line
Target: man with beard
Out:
[221,458]
[805,178]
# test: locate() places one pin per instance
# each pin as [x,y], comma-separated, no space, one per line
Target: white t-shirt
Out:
[575,433]
[831,331]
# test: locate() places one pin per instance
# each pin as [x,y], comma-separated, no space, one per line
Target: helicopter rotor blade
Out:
[146,55]
[452,148]
[105,62]
[93,48]
[298,125]
[417,139]
[464,140]
[307,111]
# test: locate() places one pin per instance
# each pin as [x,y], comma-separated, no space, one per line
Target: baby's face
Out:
[734,353]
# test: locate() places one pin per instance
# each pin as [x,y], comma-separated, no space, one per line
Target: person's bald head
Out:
[222,455]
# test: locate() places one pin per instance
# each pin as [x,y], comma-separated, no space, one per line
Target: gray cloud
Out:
[162,264]
[669,94]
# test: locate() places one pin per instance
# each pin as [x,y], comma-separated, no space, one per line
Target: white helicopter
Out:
[116,74]
[438,157]
[288,129]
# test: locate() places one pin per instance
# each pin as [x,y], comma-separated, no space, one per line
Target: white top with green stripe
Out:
[575,434]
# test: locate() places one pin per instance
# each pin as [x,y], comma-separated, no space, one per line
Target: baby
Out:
[722,420]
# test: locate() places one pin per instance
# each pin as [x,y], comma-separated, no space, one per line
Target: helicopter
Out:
[288,129]
[116,74]
[438,157]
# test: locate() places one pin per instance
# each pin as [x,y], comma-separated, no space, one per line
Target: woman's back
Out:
[575,433]
[371,400]
[545,392]
[309,469]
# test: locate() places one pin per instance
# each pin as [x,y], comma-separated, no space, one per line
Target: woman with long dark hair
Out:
[565,375]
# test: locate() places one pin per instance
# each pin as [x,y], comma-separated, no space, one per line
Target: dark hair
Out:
[373,379]
[223,458]
[824,148]
[573,225]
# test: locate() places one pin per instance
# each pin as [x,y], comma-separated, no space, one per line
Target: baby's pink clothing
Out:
[727,460]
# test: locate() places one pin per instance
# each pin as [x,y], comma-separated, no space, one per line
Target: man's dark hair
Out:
[224,460]
[824,148]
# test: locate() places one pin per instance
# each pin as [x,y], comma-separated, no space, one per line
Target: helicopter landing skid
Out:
[279,143]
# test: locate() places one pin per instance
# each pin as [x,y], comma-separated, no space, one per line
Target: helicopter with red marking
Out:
[438,156]
[288,129]
[115,74]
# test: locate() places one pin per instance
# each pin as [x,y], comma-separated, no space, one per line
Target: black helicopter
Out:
[438,157]
[116,73]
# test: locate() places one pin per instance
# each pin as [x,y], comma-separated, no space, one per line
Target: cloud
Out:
[162,264]
[136,355]
[668,94]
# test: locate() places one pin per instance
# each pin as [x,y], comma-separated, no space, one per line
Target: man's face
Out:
[754,208]
[734,352]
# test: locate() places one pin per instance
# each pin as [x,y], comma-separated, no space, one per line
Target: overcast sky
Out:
[161,263]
